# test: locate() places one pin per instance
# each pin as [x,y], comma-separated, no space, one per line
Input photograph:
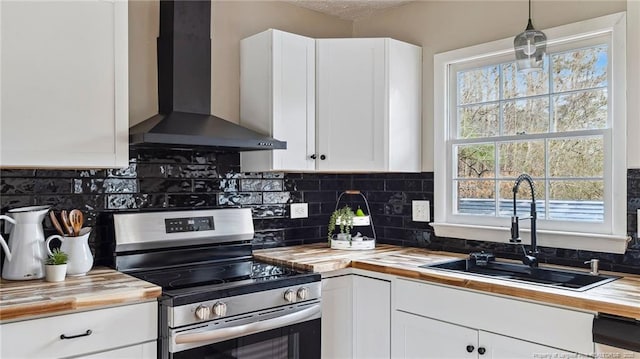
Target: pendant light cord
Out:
[529,24]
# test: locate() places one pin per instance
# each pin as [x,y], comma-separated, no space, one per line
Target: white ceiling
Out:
[348,9]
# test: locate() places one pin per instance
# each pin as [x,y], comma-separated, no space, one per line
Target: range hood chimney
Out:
[184,87]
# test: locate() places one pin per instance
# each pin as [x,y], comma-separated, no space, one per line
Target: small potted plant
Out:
[55,267]
[343,218]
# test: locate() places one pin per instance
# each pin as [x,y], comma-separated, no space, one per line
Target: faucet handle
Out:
[594,266]
[481,258]
[515,230]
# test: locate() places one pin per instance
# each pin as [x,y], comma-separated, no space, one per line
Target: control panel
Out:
[188,224]
[243,304]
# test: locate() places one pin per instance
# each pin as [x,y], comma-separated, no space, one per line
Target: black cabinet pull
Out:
[85,334]
[470,348]
[313,156]
[323,157]
[482,350]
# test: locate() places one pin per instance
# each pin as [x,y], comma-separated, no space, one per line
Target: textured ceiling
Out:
[347,9]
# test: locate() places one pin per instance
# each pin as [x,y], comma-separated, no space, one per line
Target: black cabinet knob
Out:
[470,348]
[323,157]
[482,350]
[313,156]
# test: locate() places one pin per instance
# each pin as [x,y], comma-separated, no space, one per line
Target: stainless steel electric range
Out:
[217,301]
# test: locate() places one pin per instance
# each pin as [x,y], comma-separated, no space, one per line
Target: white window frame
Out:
[610,236]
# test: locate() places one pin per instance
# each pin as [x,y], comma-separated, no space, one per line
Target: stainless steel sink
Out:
[564,279]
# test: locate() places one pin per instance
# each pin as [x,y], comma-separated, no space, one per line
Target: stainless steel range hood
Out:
[184,88]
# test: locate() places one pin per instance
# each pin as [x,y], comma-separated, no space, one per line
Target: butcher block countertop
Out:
[620,297]
[101,287]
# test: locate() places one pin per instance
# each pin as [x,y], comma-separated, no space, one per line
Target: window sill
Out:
[554,239]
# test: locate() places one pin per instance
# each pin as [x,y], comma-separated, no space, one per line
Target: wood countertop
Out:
[620,297]
[101,287]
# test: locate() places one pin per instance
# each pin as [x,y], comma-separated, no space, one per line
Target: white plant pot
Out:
[55,273]
[343,236]
[80,257]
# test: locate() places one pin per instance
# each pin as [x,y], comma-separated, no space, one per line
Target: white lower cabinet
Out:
[128,331]
[415,336]
[434,321]
[356,317]
[371,318]
[337,314]
[502,347]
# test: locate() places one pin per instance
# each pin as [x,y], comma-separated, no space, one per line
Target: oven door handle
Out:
[246,329]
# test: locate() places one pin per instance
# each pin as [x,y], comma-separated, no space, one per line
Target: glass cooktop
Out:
[188,284]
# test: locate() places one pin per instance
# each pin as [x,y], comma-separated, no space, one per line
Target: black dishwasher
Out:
[617,332]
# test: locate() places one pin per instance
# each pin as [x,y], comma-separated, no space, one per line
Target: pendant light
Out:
[530,47]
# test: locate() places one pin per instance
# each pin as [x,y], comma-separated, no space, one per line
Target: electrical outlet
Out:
[299,210]
[420,211]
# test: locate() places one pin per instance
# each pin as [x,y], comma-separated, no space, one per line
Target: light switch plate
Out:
[420,211]
[299,210]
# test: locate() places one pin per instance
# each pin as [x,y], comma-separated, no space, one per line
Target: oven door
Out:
[283,333]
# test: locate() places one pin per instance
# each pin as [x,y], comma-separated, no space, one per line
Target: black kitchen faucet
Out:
[530,258]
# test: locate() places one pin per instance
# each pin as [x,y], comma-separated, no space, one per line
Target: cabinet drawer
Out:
[110,328]
[551,326]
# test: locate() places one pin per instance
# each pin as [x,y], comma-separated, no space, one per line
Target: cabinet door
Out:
[501,347]
[64,95]
[571,329]
[337,314]
[277,98]
[371,318]
[414,336]
[351,104]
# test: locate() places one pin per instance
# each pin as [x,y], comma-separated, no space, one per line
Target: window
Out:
[564,126]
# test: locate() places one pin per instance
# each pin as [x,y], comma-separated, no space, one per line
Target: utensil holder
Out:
[77,248]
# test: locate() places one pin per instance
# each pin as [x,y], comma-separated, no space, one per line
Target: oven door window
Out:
[298,341]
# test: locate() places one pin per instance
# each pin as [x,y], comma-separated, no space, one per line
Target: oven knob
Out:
[289,295]
[303,293]
[220,309]
[202,312]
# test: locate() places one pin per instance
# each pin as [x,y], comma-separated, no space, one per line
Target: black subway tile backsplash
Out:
[269,211]
[320,197]
[129,172]
[168,156]
[161,185]
[160,178]
[53,185]
[239,198]
[18,186]
[18,173]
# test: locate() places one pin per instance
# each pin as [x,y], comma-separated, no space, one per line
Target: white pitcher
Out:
[25,254]
[77,248]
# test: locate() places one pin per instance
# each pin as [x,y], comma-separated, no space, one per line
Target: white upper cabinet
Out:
[368,105]
[277,98]
[64,84]
[342,105]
